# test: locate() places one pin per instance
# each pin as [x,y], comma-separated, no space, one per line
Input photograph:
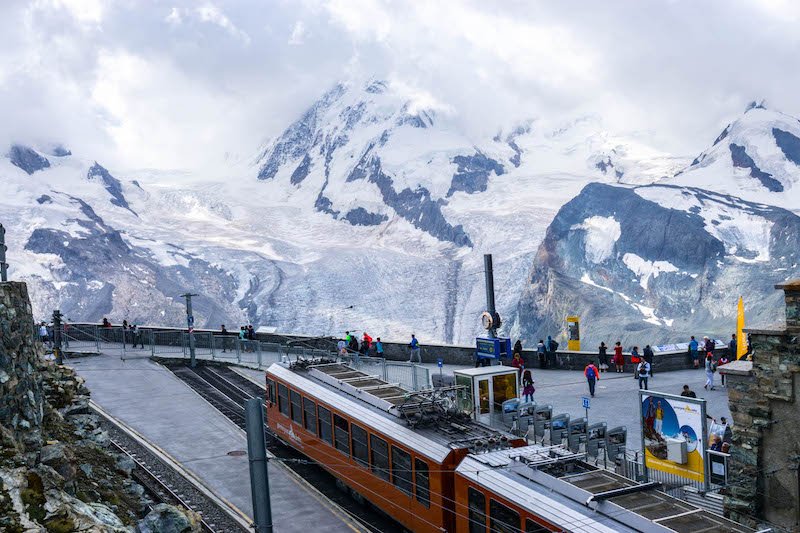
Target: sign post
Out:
[440,364]
[3,248]
[586,407]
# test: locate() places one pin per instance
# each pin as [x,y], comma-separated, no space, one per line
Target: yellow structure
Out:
[741,339]
[573,333]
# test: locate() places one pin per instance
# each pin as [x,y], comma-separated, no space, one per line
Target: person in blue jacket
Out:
[414,345]
[693,346]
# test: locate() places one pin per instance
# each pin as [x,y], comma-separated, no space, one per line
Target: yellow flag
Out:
[741,340]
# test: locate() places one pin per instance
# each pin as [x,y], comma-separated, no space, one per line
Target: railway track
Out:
[167,482]
[228,391]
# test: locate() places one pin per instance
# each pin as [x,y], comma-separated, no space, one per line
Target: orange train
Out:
[433,469]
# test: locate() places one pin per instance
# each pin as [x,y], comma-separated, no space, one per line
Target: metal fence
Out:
[673,484]
[116,340]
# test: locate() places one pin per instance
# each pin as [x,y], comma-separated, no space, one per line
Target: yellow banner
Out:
[741,339]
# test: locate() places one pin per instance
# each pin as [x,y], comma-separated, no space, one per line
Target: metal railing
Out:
[3,248]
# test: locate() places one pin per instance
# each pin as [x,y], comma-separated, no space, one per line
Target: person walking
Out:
[649,356]
[693,347]
[619,359]
[603,357]
[527,386]
[541,351]
[414,345]
[710,367]
[687,392]
[635,360]
[592,375]
[378,347]
[643,373]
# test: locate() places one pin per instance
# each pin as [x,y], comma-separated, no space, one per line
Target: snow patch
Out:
[645,269]
[602,233]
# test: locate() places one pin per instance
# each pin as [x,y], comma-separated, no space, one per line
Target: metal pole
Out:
[259,473]
[3,248]
[190,324]
[489,277]
[57,337]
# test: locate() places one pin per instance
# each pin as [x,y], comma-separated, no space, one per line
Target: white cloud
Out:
[224,76]
[298,33]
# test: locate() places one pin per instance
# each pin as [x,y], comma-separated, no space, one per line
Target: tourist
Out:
[517,362]
[603,357]
[693,347]
[106,323]
[527,386]
[592,375]
[43,335]
[378,347]
[723,360]
[552,346]
[643,373]
[366,339]
[341,346]
[223,331]
[352,344]
[687,392]
[649,356]
[732,348]
[619,359]
[518,347]
[727,434]
[716,444]
[710,367]
[415,352]
[709,345]
[541,351]
[635,360]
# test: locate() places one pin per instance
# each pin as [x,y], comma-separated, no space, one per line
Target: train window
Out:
[379,457]
[422,482]
[341,428]
[534,527]
[297,409]
[358,442]
[502,519]
[310,409]
[283,399]
[271,391]
[324,425]
[401,470]
[477,511]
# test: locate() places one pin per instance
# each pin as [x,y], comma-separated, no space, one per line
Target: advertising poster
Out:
[673,434]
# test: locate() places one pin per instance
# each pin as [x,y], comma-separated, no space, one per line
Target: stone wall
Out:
[764,483]
[20,386]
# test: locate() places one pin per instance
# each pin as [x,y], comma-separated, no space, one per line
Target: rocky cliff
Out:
[57,472]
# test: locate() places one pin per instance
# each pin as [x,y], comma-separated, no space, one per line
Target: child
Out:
[527,386]
[723,360]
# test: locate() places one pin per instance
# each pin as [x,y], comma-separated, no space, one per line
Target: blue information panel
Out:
[492,348]
[585,402]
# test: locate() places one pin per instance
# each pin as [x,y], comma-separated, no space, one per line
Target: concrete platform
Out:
[151,400]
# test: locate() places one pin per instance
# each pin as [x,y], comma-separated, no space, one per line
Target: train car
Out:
[396,448]
[536,489]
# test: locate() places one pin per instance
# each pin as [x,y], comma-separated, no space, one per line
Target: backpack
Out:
[713,367]
[590,373]
[642,369]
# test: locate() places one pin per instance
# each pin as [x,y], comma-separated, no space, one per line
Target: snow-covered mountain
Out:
[371,211]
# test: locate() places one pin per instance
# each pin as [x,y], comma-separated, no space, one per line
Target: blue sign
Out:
[440,362]
[585,402]
[190,319]
[492,348]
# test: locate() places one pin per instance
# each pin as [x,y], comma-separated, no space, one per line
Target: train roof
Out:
[562,488]
[382,406]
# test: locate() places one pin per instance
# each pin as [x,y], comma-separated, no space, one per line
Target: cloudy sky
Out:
[191,84]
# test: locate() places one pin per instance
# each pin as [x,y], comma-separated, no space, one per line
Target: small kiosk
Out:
[487,387]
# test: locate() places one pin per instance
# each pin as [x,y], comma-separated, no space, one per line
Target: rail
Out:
[168,476]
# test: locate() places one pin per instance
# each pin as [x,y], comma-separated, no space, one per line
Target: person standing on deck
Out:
[693,347]
[414,345]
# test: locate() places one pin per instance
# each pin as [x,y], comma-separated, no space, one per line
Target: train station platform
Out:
[149,398]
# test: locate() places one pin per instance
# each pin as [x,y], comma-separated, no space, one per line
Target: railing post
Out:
[414,376]
[385,373]
[3,248]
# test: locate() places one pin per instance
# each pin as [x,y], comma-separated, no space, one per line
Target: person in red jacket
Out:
[592,375]
[517,362]
[367,340]
[619,359]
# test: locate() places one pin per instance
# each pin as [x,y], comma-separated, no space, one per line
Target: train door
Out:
[485,400]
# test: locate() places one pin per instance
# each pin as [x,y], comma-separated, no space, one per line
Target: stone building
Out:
[764,480]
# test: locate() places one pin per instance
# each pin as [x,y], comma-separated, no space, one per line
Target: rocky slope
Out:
[56,470]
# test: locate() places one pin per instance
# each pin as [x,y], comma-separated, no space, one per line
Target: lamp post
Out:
[190,324]
[3,248]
